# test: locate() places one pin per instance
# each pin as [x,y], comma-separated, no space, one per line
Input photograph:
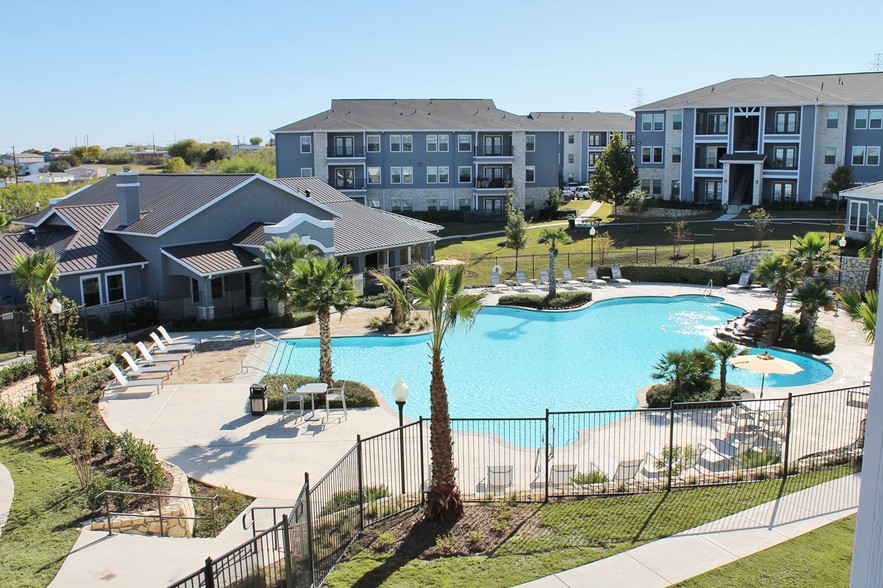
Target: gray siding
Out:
[687,154]
[863,174]
[806,155]
[289,159]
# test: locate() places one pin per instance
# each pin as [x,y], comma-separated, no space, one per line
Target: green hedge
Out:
[357,394]
[660,395]
[676,274]
[562,300]
[249,321]
[823,341]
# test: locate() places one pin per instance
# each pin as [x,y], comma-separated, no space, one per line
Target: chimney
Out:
[128,197]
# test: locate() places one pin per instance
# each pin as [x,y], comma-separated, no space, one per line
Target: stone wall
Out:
[17,392]
[853,275]
[655,212]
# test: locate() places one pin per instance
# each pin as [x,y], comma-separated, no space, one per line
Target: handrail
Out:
[709,288]
[215,500]
[251,525]
[265,331]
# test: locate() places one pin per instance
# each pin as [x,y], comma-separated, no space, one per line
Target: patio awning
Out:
[217,257]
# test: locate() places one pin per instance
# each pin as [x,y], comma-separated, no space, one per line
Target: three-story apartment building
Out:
[770,139]
[437,155]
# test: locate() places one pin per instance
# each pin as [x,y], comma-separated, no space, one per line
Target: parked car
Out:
[581,192]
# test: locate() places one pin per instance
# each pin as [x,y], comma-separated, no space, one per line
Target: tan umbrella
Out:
[448,262]
[765,363]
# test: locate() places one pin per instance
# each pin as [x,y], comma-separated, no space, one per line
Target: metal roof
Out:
[586,121]
[253,234]
[211,258]
[874,190]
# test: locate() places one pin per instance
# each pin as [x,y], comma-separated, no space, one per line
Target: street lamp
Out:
[55,307]
[842,243]
[592,233]
[400,394]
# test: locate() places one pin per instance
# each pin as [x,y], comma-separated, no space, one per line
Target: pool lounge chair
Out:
[499,478]
[626,471]
[163,348]
[568,281]
[497,284]
[544,278]
[521,280]
[593,279]
[122,382]
[149,359]
[616,277]
[561,474]
[181,340]
[742,284]
[136,371]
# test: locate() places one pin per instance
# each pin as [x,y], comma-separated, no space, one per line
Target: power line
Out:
[876,64]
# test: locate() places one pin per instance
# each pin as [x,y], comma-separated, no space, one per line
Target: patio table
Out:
[312,390]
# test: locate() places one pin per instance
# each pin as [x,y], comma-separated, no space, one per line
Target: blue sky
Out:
[123,72]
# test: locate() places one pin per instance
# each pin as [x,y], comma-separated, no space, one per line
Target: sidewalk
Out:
[704,548]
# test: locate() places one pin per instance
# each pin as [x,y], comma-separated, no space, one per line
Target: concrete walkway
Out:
[7,491]
[696,551]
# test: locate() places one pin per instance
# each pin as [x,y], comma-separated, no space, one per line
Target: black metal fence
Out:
[561,454]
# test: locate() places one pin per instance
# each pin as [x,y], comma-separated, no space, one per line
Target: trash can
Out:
[571,223]
[257,399]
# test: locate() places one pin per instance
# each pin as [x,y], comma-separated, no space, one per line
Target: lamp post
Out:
[55,308]
[842,243]
[400,394]
[592,240]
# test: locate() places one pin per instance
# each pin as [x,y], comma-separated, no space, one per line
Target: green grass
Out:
[820,558]
[46,508]
[231,506]
[567,534]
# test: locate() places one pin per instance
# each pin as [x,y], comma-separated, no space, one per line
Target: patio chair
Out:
[136,371]
[561,474]
[169,340]
[499,478]
[544,278]
[335,395]
[742,284]
[616,277]
[653,467]
[593,279]
[122,382]
[568,281]
[496,283]
[289,397]
[774,422]
[149,359]
[163,348]
[521,280]
[626,470]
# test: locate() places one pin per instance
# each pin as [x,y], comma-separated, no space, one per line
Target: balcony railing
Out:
[493,151]
[346,151]
[496,183]
[351,185]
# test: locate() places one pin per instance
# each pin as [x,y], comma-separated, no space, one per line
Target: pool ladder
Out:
[709,289]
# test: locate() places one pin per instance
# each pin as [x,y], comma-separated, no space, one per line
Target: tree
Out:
[724,351]
[861,310]
[680,233]
[872,251]
[812,253]
[278,260]
[552,237]
[813,296]
[191,151]
[516,232]
[553,202]
[217,152]
[615,173]
[399,305]
[34,274]
[687,371]
[176,165]
[256,140]
[604,243]
[320,285]
[841,179]
[779,274]
[59,165]
[636,202]
[761,220]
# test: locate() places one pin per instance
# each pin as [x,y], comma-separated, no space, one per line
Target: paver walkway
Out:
[696,551]
[7,490]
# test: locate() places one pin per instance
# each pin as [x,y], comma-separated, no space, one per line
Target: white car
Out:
[581,192]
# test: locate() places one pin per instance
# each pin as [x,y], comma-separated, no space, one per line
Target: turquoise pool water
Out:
[516,362]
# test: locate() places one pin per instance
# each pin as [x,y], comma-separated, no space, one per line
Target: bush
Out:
[374,301]
[142,457]
[823,340]
[16,372]
[249,321]
[662,395]
[102,483]
[674,274]
[358,395]
[562,300]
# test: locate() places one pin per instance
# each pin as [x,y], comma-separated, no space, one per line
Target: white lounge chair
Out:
[653,467]
[181,340]
[593,279]
[149,359]
[521,280]
[136,371]
[288,396]
[561,474]
[568,281]
[335,395]
[496,283]
[499,478]
[163,348]
[544,278]
[122,382]
[742,284]
[626,470]
[616,276]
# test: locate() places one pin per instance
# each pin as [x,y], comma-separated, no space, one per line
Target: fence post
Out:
[422,464]
[286,546]
[546,464]
[671,443]
[636,255]
[107,507]
[309,513]
[787,455]
[209,573]
[361,486]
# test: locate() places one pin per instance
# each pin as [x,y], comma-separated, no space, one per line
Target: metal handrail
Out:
[246,525]
[709,288]
[266,332]
[215,500]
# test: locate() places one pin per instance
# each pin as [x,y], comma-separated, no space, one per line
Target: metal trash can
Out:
[571,223]
[257,399]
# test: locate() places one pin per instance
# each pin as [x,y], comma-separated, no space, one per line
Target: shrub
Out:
[141,455]
[662,395]
[593,477]
[101,483]
[676,274]
[562,300]
[374,301]
[755,459]
[358,395]
[249,321]
[345,499]
[16,372]
[790,337]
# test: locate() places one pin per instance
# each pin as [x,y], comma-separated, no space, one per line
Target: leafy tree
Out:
[637,202]
[191,151]
[861,310]
[59,165]
[687,371]
[399,305]
[34,274]
[516,232]
[320,285]
[217,152]
[813,296]
[176,165]
[615,173]
[872,251]
[246,163]
[761,220]
[256,140]
[117,156]
[812,253]
[553,202]
[552,236]
[6,171]
[278,260]
[88,154]
[603,244]
[680,233]
[841,179]
[724,351]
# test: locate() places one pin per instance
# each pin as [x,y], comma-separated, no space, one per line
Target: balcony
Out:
[348,152]
[496,152]
[344,186]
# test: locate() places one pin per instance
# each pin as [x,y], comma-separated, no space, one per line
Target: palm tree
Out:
[812,253]
[813,297]
[686,370]
[724,351]
[321,284]
[861,311]
[34,274]
[552,237]
[278,261]
[400,308]
[778,273]
[872,251]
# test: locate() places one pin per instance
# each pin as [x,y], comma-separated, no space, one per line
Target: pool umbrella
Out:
[764,363]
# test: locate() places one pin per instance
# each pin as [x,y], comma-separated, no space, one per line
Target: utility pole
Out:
[14,172]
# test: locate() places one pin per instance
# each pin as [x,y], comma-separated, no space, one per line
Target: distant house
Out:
[47,178]
[863,205]
[151,157]
[87,172]
[28,163]
[190,241]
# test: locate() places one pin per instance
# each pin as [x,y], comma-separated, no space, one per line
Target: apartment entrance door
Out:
[344,178]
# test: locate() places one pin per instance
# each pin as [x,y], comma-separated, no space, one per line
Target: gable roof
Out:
[874,190]
[585,121]
[217,257]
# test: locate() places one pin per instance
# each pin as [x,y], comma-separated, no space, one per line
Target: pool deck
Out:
[200,422]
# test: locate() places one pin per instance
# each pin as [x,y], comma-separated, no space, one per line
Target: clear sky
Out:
[124,72]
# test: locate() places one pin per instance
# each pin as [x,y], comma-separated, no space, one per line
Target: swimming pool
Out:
[515,362]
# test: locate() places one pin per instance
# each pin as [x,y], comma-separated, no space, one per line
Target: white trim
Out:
[103,269]
[379,143]
[532,168]
[526,142]
[107,288]
[855,119]
[411,141]
[309,173]
[83,292]
[471,148]
[288,224]
[309,139]
[411,173]
[135,185]
[399,137]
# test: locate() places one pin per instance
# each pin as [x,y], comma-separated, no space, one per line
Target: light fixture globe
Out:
[400,391]
[842,241]
[55,306]
[592,231]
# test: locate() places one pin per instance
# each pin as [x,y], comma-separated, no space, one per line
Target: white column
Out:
[756,188]
[725,189]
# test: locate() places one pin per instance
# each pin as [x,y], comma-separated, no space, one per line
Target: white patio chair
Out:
[616,277]
[149,359]
[742,284]
[544,278]
[568,281]
[289,397]
[335,395]
[136,371]
[496,283]
[521,280]
[561,474]
[122,382]
[163,348]
[181,340]
[499,478]
[593,279]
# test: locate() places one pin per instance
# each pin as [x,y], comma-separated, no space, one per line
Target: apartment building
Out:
[438,155]
[743,142]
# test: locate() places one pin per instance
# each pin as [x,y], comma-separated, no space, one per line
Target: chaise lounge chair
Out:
[499,478]
[136,371]
[169,340]
[742,284]
[149,359]
[616,276]
[544,278]
[521,280]
[561,474]
[496,283]
[163,348]
[568,280]
[122,382]
[593,279]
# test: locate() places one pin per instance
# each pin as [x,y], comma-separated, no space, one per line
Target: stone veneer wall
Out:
[672,212]
[854,270]
[16,393]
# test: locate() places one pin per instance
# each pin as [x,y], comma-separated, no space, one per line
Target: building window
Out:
[785,157]
[373,142]
[432,204]
[407,205]
[530,143]
[873,156]
[876,119]
[431,143]
[464,174]
[657,155]
[593,159]
[373,175]
[833,119]
[630,139]
[658,122]
[570,158]
[786,122]
[194,290]
[646,154]
[783,191]
[443,204]
[717,124]
[115,287]
[530,174]
[861,119]
[408,175]
[395,175]
[677,121]
[647,122]
[596,139]
[431,174]
[306,172]
[493,145]
[858,156]
[711,157]
[374,203]
[713,190]
[90,290]
[395,205]
[645,185]
[443,143]
[570,138]
[858,216]
[407,143]
[464,143]
[306,144]
[217,288]
[464,204]
[395,143]
[675,188]
[830,155]
[675,154]
[443,174]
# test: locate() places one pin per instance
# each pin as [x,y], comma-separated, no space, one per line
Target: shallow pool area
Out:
[515,362]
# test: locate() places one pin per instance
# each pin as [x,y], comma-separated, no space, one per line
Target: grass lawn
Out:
[115,168]
[820,558]
[46,509]
[561,535]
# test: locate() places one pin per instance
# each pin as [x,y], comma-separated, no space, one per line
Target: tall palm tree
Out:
[778,273]
[724,351]
[552,237]
[278,261]
[399,306]
[34,274]
[813,297]
[321,284]
[862,311]
[872,251]
[812,253]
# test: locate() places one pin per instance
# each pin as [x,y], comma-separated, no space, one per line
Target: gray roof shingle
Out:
[585,121]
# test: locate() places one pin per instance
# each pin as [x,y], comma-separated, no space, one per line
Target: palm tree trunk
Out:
[443,501]
[553,282]
[872,272]
[723,391]
[46,388]
[325,371]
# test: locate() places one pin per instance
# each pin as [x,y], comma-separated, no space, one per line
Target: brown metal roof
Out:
[253,234]
[212,258]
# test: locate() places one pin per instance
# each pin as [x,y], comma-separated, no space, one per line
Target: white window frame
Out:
[368,143]
[656,187]
[646,155]
[379,174]
[464,204]
[675,188]
[833,116]
[676,153]
[306,172]
[432,204]
[872,151]
[530,171]
[409,141]
[468,143]
[570,157]
[861,221]
[858,150]
[647,123]
[407,174]
[407,204]
[431,174]
[784,149]
[677,121]
[571,139]
[658,150]
[658,122]
[443,144]
[864,118]
[833,155]
[107,286]
[432,143]
[781,194]
[395,143]
[393,172]
[593,158]
[783,120]
[444,172]
[595,139]
[530,143]
[460,168]
[306,142]
[875,118]
[100,291]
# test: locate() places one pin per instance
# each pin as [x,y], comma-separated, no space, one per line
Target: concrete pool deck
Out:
[200,422]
